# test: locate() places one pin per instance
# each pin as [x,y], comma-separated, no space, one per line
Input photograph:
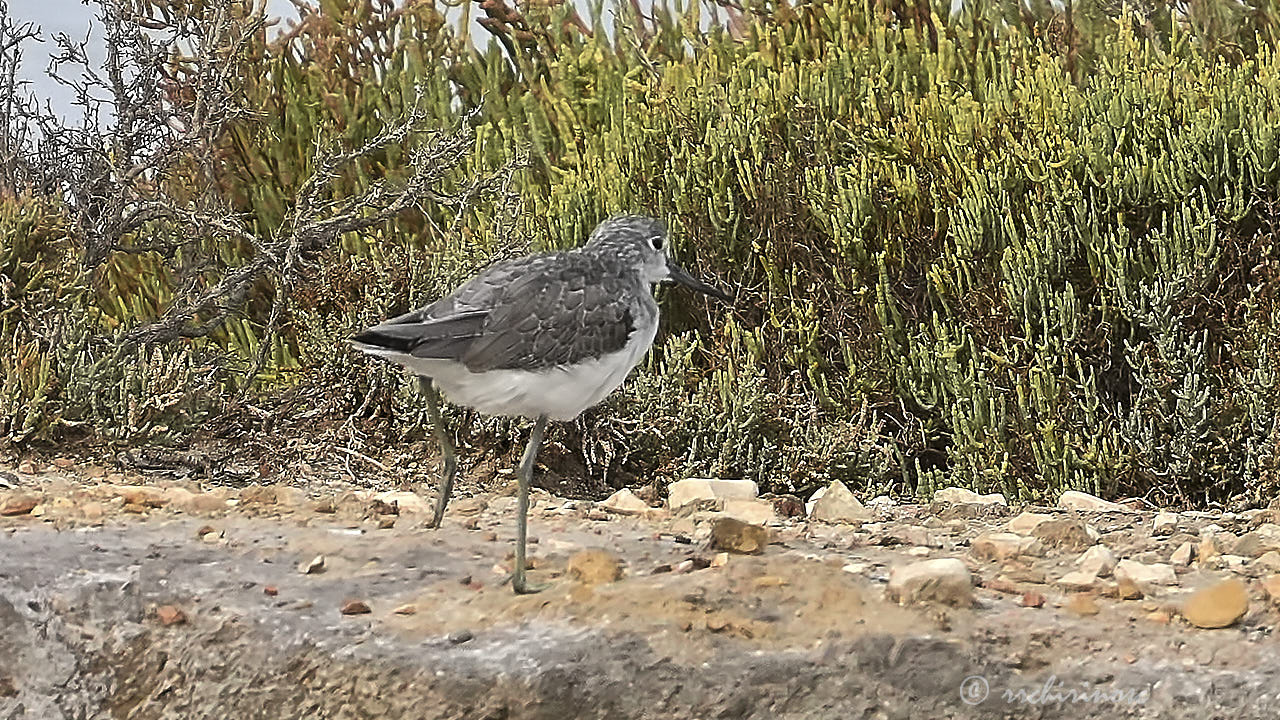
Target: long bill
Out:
[677,274]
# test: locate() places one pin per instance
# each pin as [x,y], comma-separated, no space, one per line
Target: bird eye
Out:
[657,243]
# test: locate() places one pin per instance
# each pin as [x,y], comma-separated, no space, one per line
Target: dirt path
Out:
[122,601]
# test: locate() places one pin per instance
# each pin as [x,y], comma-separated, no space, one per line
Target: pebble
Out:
[458,637]
[1026,523]
[355,607]
[1076,500]
[1217,606]
[17,504]
[961,496]
[1144,576]
[595,566]
[1165,523]
[945,580]
[1183,555]
[1098,561]
[624,502]
[838,505]
[1083,604]
[1066,533]
[313,566]
[685,492]
[735,536]
[1003,546]
[168,615]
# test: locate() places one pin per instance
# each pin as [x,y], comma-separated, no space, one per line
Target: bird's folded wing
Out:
[559,319]
[436,337]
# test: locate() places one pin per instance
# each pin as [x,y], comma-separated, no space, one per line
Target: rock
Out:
[732,535]
[1076,500]
[1066,533]
[407,502]
[594,567]
[406,609]
[316,565]
[168,615]
[1271,585]
[1083,604]
[1165,523]
[458,637]
[142,495]
[788,506]
[1145,576]
[720,560]
[624,502]
[1032,599]
[17,504]
[838,505]
[355,607]
[1258,542]
[961,496]
[1078,580]
[752,512]
[207,503]
[1213,543]
[909,535]
[92,511]
[26,467]
[270,591]
[63,463]
[257,494]
[883,502]
[944,580]
[1026,523]
[1270,561]
[1183,555]
[1002,546]
[1126,589]
[692,490]
[1217,606]
[1098,561]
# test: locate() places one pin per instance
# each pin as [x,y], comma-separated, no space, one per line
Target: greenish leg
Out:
[448,459]
[522,507]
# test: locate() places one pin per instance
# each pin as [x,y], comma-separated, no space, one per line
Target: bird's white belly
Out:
[560,393]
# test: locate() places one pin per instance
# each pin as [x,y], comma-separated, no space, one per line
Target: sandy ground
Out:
[143,597]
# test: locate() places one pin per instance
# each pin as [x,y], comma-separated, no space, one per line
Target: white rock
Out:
[683,492]
[880,501]
[1145,576]
[838,505]
[1166,523]
[961,496]
[1182,556]
[1003,546]
[1078,580]
[813,500]
[1098,561]
[1025,523]
[752,512]
[624,502]
[1076,500]
[409,502]
[944,579]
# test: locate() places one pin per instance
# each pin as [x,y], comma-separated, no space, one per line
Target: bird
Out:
[543,337]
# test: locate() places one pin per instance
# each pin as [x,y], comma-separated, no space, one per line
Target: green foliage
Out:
[1010,250]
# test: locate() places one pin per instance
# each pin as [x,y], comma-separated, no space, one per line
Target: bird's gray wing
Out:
[444,328]
[441,337]
[554,313]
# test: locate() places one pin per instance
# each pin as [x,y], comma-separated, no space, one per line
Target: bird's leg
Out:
[448,460]
[525,478]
